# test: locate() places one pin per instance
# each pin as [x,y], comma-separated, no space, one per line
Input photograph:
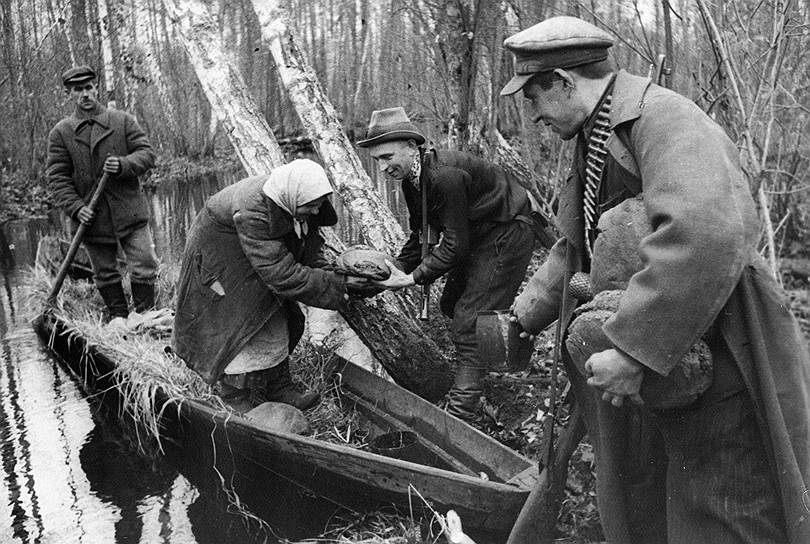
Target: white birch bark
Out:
[380,228]
[247,130]
[106,54]
[395,340]
[386,323]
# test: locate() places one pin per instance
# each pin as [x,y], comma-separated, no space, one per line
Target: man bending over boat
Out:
[253,252]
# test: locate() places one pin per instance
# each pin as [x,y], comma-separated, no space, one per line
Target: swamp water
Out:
[68,472]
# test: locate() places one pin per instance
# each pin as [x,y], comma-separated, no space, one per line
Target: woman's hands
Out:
[361,287]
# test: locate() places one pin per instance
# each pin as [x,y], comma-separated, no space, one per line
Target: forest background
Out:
[743,61]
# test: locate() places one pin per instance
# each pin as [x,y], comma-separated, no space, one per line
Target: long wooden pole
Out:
[74,245]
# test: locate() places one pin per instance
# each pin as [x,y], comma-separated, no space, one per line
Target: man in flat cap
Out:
[482,220]
[91,141]
[734,465]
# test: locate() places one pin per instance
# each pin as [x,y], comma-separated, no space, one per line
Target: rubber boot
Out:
[115,299]
[143,296]
[237,399]
[464,397]
[279,387]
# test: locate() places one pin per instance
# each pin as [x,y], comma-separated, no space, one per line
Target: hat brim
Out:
[78,80]
[515,84]
[391,136]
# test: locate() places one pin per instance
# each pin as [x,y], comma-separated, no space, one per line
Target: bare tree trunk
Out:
[668,70]
[412,359]
[107,54]
[408,352]
[9,44]
[754,164]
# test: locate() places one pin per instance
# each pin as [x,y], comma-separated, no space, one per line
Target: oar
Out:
[74,245]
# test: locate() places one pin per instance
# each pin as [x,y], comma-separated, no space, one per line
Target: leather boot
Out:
[279,387]
[143,296]
[464,397]
[115,299]
[237,399]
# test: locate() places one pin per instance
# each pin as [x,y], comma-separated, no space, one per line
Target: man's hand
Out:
[397,280]
[85,215]
[112,165]
[523,334]
[618,375]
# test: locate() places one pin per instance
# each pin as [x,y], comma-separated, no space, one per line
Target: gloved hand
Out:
[361,287]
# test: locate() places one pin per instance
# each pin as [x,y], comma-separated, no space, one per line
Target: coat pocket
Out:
[198,290]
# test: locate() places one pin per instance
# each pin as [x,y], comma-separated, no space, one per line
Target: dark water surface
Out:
[68,471]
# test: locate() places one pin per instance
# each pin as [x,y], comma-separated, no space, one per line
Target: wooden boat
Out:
[452,465]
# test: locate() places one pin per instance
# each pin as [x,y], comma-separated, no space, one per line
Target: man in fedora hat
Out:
[91,141]
[485,237]
[732,466]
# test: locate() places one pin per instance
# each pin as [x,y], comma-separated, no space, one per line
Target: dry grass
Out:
[144,366]
[143,363]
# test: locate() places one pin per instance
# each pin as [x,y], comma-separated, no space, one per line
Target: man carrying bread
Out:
[731,464]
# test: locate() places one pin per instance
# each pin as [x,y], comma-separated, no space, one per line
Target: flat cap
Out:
[558,42]
[78,75]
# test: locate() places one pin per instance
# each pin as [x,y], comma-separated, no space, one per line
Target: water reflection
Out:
[68,473]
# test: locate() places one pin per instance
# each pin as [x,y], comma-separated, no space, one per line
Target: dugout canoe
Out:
[454,465]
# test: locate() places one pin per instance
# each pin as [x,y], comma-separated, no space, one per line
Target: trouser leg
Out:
[104,260]
[491,274]
[631,466]
[720,481]
[139,250]
[107,277]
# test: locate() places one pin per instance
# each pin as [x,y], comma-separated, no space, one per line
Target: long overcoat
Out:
[700,268]
[242,263]
[75,161]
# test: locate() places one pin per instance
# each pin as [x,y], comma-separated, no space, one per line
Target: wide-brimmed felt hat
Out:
[78,75]
[558,42]
[390,124]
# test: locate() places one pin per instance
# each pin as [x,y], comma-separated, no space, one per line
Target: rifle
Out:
[425,302]
[658,70]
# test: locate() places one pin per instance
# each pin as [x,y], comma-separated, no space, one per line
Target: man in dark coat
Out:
[734,465]
[253,252]
[482,236]
[92,141]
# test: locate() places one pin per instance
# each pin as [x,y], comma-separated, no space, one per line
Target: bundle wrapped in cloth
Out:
[363,262]
[685,383]
[361,265]
[615,260]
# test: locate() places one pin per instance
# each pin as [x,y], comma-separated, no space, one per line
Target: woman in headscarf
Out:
[253,252]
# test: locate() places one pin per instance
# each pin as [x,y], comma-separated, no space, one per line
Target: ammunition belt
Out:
[594,166]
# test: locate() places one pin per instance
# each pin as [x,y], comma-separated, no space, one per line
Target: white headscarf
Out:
[294,184]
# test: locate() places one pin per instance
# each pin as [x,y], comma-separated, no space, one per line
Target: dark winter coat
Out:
[701,268]
[242,263]
[466,196]
[76,155]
